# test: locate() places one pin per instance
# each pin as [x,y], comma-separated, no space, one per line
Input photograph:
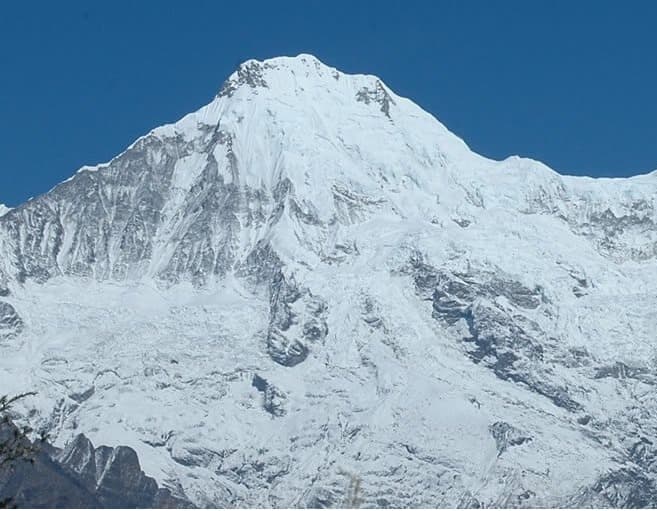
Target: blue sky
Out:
[572,84]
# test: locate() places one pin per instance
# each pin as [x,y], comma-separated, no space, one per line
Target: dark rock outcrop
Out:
[11,323]
[507,436]
[34,479]
[80,476]
[507,342]
[115,477]
[273,399]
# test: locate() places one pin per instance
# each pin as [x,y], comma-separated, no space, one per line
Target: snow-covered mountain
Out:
[311,281]
[4,209]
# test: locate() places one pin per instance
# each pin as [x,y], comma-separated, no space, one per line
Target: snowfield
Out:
[311,279]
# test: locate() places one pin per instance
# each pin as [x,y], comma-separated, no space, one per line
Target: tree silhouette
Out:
[15,444]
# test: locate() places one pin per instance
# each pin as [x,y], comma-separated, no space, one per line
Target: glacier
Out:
[311,281]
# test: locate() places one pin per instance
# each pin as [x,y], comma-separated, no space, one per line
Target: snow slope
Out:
[311,280]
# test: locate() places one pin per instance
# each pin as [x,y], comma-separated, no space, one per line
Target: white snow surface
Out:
[392,392]
[4,210]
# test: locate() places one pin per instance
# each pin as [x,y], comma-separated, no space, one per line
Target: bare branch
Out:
[16,446]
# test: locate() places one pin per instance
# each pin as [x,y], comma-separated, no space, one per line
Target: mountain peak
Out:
[285,72]
[299,61]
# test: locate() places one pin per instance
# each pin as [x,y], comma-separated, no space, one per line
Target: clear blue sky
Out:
[571,83]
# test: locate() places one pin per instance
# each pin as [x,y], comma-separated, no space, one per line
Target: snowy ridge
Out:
[4,210]
[311,277]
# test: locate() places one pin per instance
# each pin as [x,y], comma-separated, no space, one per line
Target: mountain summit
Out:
[311,281]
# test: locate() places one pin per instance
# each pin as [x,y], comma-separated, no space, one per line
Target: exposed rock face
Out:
[80,477]
[507,436]
[11,323]
[115,476]
[309,283]
[37,481]
[378,95]
[44,484]
[273,399]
